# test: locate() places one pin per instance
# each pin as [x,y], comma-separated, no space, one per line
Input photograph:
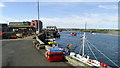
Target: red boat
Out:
[73,34]
[103,64]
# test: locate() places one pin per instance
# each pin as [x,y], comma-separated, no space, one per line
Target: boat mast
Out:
[84,37]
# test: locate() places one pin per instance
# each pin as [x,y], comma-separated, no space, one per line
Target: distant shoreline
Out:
[113,33]
[105,31]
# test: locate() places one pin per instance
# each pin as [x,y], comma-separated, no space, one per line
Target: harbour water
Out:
[106,43]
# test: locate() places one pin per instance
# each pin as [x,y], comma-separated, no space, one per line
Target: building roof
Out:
[16,23]
[22,26]
[3,23]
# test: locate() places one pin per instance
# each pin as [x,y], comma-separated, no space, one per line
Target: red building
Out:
[35,24]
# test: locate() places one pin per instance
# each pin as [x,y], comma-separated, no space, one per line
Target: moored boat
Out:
[53,30]
[86,59]
[93,33]
[73,34]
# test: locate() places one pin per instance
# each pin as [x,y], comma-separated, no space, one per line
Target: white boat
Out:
[86,59]
[93,33]
[82,57]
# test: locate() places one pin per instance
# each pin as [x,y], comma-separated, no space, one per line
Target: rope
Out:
[80,47]
[92,51]
[87,50]
[104,55]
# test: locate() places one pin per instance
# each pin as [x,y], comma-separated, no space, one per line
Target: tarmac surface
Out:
[21,52]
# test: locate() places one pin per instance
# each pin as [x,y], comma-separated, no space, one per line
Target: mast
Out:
[85,26]
[38,18]
[84,37]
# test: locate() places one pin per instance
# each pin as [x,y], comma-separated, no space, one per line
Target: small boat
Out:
[73,34]
[93,33]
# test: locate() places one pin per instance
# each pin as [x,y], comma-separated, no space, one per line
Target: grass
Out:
[94,30]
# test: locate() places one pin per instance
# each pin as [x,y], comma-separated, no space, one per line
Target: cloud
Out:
[94,21]
[62,0]
[1,4]
[100,21]
[79,0]
[5,19]
[108,6]
[10,0]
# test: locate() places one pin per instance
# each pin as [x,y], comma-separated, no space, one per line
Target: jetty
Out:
[21,52]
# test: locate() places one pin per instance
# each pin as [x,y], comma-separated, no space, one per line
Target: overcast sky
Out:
[98,15]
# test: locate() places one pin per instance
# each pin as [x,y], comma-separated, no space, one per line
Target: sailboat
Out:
[85,59]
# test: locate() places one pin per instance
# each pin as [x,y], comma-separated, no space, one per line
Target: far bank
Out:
[107,31]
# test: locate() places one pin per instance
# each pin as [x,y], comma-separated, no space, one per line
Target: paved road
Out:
[21,52]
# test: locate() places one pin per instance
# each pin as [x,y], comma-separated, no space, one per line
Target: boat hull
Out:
[73,34]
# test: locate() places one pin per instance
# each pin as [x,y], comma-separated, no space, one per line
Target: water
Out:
[106,43]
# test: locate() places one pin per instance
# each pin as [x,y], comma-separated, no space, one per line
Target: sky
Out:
[98,15]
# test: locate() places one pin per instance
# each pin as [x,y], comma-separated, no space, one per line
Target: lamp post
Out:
[38,31]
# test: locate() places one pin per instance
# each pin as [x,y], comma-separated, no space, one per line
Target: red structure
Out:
[0,33]
[54,56]
[35,23]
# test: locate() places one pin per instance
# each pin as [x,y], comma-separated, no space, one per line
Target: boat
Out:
[86,59]
[93,33]
[53,30]
[73,34]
